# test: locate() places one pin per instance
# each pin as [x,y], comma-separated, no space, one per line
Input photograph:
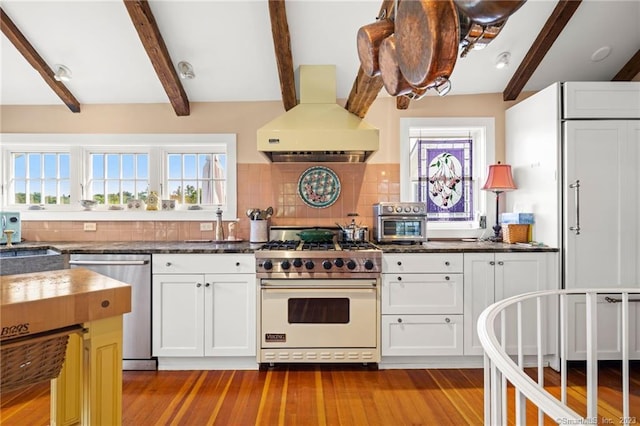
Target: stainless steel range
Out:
[319,302]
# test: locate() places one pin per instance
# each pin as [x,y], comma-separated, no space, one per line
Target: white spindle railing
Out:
[500,367]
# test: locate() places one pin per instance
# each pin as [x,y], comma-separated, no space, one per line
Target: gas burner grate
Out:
[325,245]
[280,245]
[357,245]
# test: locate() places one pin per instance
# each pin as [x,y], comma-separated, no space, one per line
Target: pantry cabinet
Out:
[490,277]
[197,312]
[422,304]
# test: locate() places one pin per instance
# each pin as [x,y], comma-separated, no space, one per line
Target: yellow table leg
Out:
[89,389]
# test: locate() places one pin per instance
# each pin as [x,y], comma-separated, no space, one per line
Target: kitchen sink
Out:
[22,261]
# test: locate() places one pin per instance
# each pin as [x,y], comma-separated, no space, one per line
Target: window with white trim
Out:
[54,172]
[39,178]
[443,164]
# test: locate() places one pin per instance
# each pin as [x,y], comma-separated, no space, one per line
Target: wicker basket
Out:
[515,233]
[33,359]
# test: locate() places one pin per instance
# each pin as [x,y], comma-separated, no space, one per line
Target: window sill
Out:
[121,215]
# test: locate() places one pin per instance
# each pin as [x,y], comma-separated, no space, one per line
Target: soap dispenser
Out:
[219,230]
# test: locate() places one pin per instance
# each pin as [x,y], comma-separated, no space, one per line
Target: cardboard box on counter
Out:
[517,218]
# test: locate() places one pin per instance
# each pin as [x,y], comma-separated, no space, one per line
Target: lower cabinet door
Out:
[178,312]
[411,335]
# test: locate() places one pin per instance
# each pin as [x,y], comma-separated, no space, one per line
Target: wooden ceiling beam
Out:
[630,69]
[282,47]
[11,31]
[558,19]
[151,38]
[365,89]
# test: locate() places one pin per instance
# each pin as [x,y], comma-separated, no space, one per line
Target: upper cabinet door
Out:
[620,99]
[602,158]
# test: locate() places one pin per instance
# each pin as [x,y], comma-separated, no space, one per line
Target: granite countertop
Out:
[141,247]
[462,247]
[138,247]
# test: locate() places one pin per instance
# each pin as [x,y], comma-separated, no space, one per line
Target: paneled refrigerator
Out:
[574,149]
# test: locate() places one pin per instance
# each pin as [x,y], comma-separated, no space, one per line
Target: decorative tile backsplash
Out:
[260,186]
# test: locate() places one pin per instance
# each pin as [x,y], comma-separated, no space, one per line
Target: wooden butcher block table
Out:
[36,309]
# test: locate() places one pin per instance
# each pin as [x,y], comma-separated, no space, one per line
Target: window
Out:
[443,164]
[39,178]
[114,178]
[197,178]
[56,171]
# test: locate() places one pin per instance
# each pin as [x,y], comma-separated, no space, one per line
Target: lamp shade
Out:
[499,179]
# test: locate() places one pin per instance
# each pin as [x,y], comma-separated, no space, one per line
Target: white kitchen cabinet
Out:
[200,313]
[422,304]
[407,335]
[575,151]
[490,277]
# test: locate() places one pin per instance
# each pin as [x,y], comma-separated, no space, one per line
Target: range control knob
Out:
[297,263]
[309,264]
[339,263]
[368,264]
[416,209]
[407,209]
[267,265]
[399,209]
[326,264]
[351,264]
[285,264]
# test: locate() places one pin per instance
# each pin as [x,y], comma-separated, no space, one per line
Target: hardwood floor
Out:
[318,395]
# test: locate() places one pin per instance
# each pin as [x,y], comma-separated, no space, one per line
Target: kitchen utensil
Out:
[427,37]
[269,212]
[88,204]
[369,38]
[315,235]
[488,12]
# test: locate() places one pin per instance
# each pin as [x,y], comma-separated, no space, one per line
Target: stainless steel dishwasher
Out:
[133,269]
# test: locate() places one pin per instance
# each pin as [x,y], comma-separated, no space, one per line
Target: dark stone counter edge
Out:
[144,247]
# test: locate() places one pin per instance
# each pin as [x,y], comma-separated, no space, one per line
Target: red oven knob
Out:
[351,264]
[297,263]
[326,264]
[267,265]
[285,264]
[309,264]
[339,263]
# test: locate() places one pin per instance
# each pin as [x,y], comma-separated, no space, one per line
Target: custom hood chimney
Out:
[318,129]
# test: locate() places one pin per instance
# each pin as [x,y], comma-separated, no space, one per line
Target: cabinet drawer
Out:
[203,263]
[422,263]
[422,294]
[421,335]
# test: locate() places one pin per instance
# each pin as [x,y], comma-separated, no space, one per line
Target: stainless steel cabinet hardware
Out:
[501,263]
[492,263]
[447,320]
[576,187]
[108,262]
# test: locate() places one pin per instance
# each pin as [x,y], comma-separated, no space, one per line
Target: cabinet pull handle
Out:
[447,278]
[168,264]
[237,263]
[399,319]
[447,320]
[198,285]
[576,186]
[207,284]
[399,263]
[492,263]
[501,263]
[447,263]
[399,278]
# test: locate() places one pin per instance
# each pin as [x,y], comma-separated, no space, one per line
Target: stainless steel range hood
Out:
[318,129]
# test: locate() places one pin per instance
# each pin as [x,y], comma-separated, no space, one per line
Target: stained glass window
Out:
[445,178]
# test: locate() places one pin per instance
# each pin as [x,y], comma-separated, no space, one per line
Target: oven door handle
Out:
[315,287]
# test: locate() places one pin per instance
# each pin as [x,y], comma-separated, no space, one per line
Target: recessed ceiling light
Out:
[503,60]
[601,53]
[61,73]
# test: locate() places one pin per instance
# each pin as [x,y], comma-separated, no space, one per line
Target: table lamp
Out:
[499,180]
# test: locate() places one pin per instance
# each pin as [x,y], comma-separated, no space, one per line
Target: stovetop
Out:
[298,245]
[287,257]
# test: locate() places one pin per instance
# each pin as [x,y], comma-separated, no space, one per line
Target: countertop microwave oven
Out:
[400,222]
